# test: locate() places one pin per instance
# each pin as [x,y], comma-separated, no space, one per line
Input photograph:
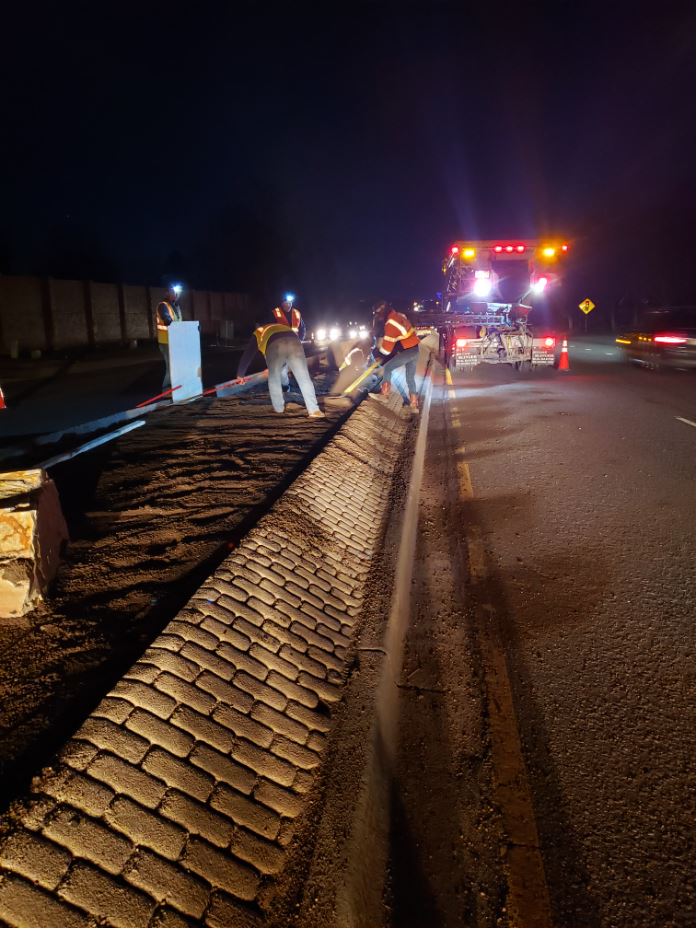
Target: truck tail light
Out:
[670,339]
[549,341]
[461,343]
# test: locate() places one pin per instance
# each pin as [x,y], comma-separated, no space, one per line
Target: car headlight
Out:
[353,333]
[321,335]
[334,333]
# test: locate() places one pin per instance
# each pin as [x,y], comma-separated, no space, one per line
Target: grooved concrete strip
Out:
[176,799]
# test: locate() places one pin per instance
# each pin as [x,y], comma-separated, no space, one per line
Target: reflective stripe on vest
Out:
[264,333]
[281,317]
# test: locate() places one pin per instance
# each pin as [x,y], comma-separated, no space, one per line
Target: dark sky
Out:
[338,149]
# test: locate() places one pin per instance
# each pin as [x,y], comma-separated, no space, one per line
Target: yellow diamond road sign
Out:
[586,306]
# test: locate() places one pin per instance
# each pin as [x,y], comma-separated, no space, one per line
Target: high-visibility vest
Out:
[173,313]
[281,317]
[264,333]
[399,334]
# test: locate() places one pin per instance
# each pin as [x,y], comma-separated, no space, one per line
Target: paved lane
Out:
[583,489]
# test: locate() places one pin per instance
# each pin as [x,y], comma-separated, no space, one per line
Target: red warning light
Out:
[454,249]
[565,248]
[509,248]
[498,248]
[519,248]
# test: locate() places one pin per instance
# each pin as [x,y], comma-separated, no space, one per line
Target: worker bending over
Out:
[288,315]
[282,351]
[397,346]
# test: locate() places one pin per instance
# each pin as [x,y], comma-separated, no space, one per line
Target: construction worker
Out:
[287,314]
[350,358]
[396,346]
[282,351]
[168,311]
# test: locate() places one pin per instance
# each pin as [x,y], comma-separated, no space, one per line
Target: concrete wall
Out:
[21,313]
[51,314]
[68,302]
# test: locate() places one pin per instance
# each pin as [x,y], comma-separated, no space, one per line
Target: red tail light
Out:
[549,341]
[461,343]
[670,339]
[454,250]
[520,248]
[510,248]
[498,248]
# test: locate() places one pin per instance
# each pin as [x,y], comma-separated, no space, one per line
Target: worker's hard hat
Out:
[379,306]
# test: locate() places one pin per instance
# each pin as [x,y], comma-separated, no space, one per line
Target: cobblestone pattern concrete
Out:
[175,801]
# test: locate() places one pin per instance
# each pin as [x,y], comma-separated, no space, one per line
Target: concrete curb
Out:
[175,801]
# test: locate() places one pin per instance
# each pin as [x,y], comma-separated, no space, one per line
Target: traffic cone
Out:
[3,405]
[564,358]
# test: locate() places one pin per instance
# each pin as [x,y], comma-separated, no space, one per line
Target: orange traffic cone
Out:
[564,358]
[3,405]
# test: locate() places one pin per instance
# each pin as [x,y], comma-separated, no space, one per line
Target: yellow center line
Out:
[464,481]
[528,901]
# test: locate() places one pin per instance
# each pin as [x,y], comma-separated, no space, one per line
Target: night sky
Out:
[339,149]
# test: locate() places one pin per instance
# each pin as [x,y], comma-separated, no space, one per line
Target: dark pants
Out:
[165,352]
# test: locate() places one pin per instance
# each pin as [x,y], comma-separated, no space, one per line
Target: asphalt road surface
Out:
[580,517]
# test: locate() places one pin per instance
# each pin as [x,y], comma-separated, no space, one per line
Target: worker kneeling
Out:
[283,352]
[398,348]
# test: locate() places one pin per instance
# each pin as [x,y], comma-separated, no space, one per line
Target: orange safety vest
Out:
[174,315]
[399,332]
[264,333]
[281,317]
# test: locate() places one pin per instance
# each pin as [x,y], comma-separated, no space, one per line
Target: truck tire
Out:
[523,367]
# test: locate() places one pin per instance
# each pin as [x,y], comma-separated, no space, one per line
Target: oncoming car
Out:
[665,338]
[324,335]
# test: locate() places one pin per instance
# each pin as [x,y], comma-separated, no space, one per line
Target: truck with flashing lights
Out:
[489,290]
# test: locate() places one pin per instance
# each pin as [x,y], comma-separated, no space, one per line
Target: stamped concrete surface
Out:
[176,800]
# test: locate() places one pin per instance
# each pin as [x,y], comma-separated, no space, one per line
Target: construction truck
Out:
[489,290]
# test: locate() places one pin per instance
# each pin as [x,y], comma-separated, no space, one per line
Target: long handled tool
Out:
[362,377]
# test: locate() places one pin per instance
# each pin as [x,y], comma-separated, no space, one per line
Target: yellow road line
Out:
[464,481]
[528,899]
[449,379]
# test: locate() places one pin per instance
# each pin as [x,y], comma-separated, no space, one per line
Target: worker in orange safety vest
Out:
[396,346]
[168,311]
[289,315]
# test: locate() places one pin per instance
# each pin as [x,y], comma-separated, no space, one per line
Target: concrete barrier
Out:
[32,533]
[176,800]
